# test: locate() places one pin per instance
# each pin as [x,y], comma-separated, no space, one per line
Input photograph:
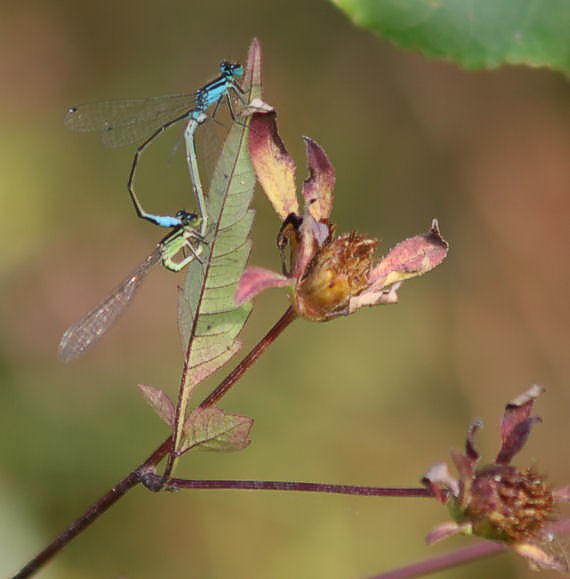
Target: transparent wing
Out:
[93,325]
[123,122]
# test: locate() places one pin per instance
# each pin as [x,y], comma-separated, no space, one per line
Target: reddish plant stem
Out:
[453,559]
[95,511]
[459,557]
[253,355]
[176,484]
[144,472]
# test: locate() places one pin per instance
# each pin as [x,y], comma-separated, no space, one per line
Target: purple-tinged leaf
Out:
[319,185]
[517,423]
[464,465]
[274,167]
[412,257]
[159,402]
[470,451]
[439,480]
[443,531]
[208,365]
[257,279]
[311,230]
[516,440]
[212,429]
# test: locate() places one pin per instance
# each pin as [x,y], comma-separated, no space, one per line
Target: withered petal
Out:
[318,186]
[367,298]
[515,440]
[470,451]
[273,166]
[465,466]
[308,246]
[443,531]
[439,480]
[257,279]
[537,556]
[517,423]
[410,258]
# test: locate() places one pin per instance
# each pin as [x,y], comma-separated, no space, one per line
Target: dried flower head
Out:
[337,272]
[328,276]
[498,501]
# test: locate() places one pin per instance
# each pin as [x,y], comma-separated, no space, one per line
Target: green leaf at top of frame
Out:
[473,33]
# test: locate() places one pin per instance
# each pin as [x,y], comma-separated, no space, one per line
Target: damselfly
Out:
[123,122]
[83,334]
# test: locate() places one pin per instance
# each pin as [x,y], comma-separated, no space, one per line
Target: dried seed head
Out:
[509,505]
[338,271]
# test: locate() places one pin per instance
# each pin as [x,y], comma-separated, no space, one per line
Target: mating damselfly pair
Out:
[124,122]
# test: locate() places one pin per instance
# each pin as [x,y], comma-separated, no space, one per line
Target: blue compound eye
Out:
[231,68]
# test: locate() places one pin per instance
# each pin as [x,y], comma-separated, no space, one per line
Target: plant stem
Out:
[176,484]
[446,561]
[95,511]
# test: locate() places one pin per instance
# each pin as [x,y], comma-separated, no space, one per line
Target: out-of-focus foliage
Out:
[479,34]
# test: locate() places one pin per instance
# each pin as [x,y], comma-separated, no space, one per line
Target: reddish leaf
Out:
[443,531]
[212,429]
[257,279]
[439,480]
[470,451]
[274,167]
[412,257]
[517,423]
[465,467]
[319,185]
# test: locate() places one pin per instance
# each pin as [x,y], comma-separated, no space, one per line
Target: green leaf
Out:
[473,33]
[208,318]
[213,429]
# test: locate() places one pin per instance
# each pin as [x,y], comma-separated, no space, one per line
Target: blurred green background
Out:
[373,399]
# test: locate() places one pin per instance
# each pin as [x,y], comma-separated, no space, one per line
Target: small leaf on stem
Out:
[159,402]
[212,429]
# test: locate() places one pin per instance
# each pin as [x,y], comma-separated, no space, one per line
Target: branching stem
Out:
[145,473]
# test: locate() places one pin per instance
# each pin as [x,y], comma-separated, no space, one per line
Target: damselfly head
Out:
[231,68]
[187,218]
